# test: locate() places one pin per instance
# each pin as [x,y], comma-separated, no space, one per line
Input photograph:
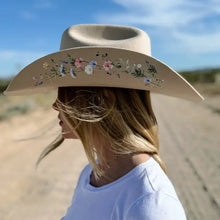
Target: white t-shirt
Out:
[144,193]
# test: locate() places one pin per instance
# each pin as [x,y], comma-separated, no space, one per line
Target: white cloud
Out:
[169,13]
[206,43]
[27,15]
[13,61]
[40,4]
[215,4]
[181,20]
[19,56]
[157,20]
[43,4]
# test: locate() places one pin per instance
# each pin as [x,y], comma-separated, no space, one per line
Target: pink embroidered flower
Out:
[79,62]
[107,65]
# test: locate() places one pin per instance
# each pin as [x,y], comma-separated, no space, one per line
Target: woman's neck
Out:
[118,166]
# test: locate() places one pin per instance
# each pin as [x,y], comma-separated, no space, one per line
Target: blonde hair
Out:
[122,118]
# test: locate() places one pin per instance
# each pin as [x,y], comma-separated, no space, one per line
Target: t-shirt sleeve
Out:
[158,206]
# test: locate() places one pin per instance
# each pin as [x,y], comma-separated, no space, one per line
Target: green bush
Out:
[200,76]
[4,84]
[14,110]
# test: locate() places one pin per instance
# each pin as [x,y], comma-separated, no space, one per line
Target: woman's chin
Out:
[65,136]
[69,136]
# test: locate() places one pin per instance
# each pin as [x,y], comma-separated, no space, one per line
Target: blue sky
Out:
[185,34]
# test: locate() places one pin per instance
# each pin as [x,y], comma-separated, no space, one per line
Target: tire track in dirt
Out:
[175,121]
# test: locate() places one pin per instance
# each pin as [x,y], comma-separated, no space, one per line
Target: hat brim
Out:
[101,67]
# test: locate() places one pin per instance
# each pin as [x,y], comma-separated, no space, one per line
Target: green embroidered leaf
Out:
[152,69]
[117,65]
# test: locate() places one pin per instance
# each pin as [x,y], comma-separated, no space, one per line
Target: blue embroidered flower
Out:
[64,62]
[147,80]
[93,63]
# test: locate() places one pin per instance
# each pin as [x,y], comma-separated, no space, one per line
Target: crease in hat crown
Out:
[110,36]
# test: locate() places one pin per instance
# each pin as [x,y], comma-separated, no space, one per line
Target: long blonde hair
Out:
[123,118]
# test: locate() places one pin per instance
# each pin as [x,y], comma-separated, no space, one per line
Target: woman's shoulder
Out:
[151,179]
[156,206]
[157,198]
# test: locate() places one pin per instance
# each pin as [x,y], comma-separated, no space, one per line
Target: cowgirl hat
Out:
[102,56]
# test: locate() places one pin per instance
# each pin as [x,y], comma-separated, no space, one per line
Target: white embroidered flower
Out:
[88,69]
[45,65]
[62,70]
[139,65]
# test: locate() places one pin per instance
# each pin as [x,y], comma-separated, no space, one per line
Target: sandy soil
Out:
[189,144]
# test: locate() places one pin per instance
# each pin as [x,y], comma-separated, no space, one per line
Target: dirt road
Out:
[189,142]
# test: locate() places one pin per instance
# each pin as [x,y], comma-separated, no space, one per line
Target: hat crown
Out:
[113,36]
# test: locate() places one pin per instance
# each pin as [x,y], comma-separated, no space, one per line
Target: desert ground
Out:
[189,144]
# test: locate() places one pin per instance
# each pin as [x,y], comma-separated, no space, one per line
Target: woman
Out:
[104,75]
[128,179]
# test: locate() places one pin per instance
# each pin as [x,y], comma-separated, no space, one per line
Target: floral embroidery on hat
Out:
[107,65]
[62,70]
[72,73]
[88,69]
[147,80]
[93,63]
[79,62]
[139,65]
[45,65]
[72,66]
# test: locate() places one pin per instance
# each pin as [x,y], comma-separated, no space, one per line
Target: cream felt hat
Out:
[104,56]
